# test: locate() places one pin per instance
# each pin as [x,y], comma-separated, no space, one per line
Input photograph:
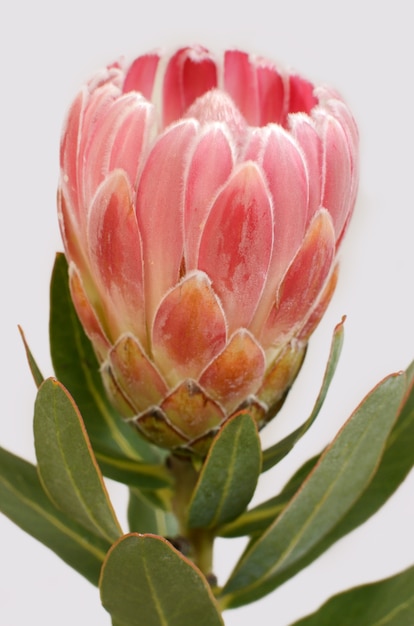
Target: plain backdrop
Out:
[365,50]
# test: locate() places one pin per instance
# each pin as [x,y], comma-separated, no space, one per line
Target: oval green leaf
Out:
[276,453]
[389,602]
[145,580]
[256,520]
[342,474]
[23,501]
[67,466]
[395,464]
[229,475]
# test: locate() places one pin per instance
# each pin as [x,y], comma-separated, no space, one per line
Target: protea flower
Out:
[201,205]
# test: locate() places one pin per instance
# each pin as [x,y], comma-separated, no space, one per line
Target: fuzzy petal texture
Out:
[116,256]
[159,212]
[237,372]
[189,328]
[210,166]
[303,282]
[239,232]
[202,202]
[136,374]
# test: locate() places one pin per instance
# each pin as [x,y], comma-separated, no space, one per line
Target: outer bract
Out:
[201,205]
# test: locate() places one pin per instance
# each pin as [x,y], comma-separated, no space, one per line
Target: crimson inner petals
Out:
[257,88]
[271,94]
[190,73]
[141,75]
[301,95]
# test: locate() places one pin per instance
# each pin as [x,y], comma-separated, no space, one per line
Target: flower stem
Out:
[199,540]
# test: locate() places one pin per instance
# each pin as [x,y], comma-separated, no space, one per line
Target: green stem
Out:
[200,540]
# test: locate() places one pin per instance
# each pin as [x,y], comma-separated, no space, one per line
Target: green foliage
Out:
[76,366]
[122,454]
[229,475]
[66,463]
[147,581]
[23,500]
[343,473]
[389,602]
[276,453]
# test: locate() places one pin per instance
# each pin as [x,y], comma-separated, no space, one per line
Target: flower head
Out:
[201,205]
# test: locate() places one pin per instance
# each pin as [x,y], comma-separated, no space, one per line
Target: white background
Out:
[365,49]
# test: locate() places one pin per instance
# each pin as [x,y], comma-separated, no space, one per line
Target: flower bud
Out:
[201,205]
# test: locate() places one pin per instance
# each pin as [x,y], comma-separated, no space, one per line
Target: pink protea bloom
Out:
[201,205]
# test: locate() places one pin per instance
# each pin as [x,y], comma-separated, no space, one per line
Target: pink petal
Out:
[190,73]
[119,142]
[210,166]
[69,147]
[236,372]
[336,170]
[189,329]
[115,252]
[159,207]
[344,117]
[256,87]
[320,306]
[271,89]
[287,179]
[141,75]
[96,109]
[191,411]
[87,315]
[301,95]
[310,143]
[72,235]
[136,374]
[303,282]
[217,106]
[236,244]
[240,82]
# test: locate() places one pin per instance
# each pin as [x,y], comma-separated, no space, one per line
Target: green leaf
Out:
[146,581]
[34,368]
[389,602]
[144,517]
[256,520]
[342,474]
[67,466]
[76,366]
[395,464]
[24,502]
[276,453]
[133,473]
[229,475]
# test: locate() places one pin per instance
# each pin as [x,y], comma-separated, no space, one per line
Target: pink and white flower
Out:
[201,205]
